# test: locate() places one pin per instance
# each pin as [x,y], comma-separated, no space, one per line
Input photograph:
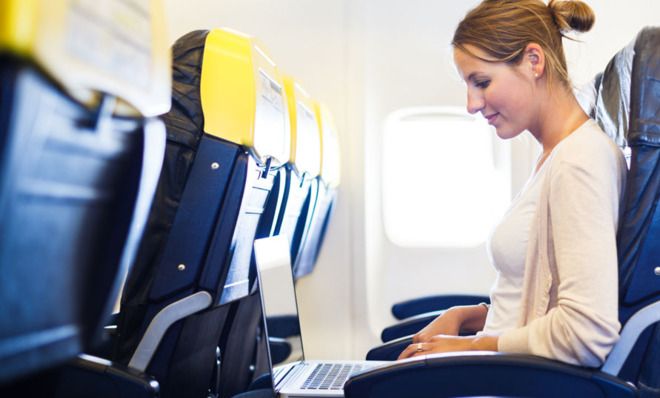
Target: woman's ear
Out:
[535,58]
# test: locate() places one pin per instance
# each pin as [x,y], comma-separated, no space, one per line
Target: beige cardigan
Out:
[569,308]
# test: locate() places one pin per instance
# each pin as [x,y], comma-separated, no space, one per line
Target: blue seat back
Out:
[194,264]
[76,180]
[326,185]
[628,108]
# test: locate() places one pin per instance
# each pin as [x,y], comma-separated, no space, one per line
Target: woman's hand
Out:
[436,344]
[443,343]
[468,318]
[448,323]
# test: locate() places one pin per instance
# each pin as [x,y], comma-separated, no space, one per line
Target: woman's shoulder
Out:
[588,145]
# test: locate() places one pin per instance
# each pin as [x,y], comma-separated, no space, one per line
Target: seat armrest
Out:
[262,382]
[280,349]
[389,351]
[412,325]
[408,308]
[408,326]
[283,326]
[482,374]
[264,393]
[89,376]
[113,320]
[105,344]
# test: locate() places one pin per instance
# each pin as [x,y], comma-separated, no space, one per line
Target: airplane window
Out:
[446,178]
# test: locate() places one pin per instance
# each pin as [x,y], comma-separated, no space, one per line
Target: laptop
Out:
[296,376]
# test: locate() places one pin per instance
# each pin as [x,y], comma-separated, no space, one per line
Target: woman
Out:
[554,251]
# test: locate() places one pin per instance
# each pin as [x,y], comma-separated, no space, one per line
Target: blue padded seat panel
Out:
[191,233]
[277,200]
[638,230]
[628,106]
[644,285]
[62,185]
[200,231]
[314,240]
[295,220]
[644,138]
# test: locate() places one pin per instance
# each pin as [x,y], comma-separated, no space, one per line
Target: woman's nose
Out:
[475,103]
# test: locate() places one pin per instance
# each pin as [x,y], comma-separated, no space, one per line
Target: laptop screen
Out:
[278,298]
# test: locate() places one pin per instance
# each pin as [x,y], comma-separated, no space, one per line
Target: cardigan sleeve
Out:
[583,202]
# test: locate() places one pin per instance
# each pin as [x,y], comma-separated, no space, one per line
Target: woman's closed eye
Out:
[482,83]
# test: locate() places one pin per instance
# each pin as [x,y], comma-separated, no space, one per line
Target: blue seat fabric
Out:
[67,194]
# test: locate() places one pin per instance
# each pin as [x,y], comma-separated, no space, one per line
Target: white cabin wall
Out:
[408,63]
[365,59]
[617,24]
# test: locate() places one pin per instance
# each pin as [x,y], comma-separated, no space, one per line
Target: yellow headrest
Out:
[242,95]
[89,47]
[330,156]
[305,133]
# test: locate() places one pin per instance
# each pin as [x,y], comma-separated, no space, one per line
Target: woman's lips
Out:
[491,118]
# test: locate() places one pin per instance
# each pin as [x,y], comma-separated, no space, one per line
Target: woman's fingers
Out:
[412,350]
[420,338]
[406,352]
[444,343]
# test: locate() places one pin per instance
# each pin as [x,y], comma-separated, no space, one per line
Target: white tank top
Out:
[507,249]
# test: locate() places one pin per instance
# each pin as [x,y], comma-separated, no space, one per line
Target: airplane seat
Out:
[328,183]
[432,304]
[81,153]
[323,193]
[293,215]
[226,137]
[302,189]
[302,170]
[627,108]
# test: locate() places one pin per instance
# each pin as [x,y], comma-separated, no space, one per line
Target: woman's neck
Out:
[558,117]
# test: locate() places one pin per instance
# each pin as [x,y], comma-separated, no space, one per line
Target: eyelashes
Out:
[482,84]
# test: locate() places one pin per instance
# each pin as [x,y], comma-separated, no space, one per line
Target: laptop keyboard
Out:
[327,376]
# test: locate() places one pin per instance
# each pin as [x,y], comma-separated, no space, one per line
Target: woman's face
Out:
[503,94]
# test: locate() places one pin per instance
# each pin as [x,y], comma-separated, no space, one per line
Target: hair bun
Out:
[572,15]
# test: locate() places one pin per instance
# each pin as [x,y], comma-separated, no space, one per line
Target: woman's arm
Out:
[440,343]
[464,318]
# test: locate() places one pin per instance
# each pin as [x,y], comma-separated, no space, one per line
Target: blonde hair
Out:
[504,28]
